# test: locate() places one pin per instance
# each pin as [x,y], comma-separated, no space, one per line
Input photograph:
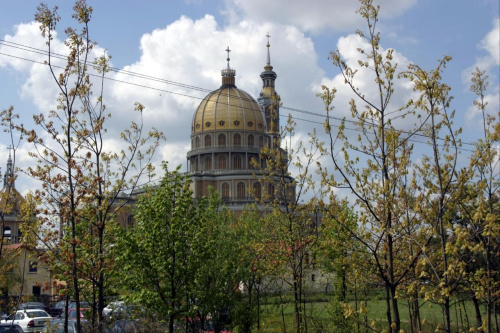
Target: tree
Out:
[84,185]
[478,212]
[383,183]
[443,182]
[166,247]
[289,220]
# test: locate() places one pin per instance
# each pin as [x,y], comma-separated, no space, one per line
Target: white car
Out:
[112,307]
[30,320]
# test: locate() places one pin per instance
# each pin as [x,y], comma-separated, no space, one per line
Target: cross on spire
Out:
[228,50]
[268,53]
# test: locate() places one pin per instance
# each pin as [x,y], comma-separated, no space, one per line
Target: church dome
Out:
[228,108]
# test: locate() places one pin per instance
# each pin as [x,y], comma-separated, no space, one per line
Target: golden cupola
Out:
[228,108]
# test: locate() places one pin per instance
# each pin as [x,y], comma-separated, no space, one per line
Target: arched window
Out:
[237,162]
[270,190]
[194,164]
[257,190]
[250,140]
[225,191]
[222,162]
[197,142]
[237,140]
[261,142]
[208,140]
[208,162]
[241,190]
[221,140]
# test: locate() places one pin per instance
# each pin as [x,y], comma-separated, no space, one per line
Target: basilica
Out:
[228,132]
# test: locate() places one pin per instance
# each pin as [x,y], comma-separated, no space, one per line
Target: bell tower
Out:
[269,99]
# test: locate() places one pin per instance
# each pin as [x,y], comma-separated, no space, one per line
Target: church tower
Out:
[269,99]
[10,206]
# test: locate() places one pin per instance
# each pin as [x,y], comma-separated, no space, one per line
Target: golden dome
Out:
[228,108]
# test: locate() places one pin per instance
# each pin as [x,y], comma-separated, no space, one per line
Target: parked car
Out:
[33,305]
[121,310]
[125,326]
[30,320]
[72,314]
[111,307]
[10,328]
[57,326]
[57,309]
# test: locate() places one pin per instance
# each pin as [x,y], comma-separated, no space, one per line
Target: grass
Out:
[272,314]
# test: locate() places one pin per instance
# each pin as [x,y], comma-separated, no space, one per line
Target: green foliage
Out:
[180,258]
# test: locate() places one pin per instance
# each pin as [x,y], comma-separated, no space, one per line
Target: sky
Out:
[178,47]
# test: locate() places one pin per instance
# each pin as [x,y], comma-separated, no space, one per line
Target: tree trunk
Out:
[479,320]
[388,308]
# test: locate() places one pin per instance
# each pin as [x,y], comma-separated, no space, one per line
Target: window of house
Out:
[237,162]
[237,140]
[221,140]
[208,140]
[222,162]
[37,290]
[7,232]
[33,266]
[130,221]
[208,162]
[250,140]
[225,190]
[241,190]
[257,190]
[197,142]
[270,190]
[261,142]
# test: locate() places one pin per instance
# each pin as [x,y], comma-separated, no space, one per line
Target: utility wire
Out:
[195,88]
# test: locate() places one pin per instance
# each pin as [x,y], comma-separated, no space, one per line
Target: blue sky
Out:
[184,42]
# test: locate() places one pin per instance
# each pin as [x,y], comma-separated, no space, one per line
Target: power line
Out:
[195,88]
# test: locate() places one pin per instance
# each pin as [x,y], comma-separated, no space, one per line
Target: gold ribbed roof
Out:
[228,108]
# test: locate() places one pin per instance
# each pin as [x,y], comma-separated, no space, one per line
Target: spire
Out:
[8,178]
[228,74]
[269,99]
[268,76]
[268,67]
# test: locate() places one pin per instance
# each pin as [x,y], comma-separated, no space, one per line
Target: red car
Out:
[84,313]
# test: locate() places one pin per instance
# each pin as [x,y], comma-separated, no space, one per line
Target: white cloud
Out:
[311,16]
[488,63]
[490,43]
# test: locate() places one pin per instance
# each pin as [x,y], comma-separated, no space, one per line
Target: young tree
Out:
[289,220]
[382,184]
[479,211]
[443,182]
[166,256]
[84,185]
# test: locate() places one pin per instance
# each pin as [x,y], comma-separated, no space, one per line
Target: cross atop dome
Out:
[228,74]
